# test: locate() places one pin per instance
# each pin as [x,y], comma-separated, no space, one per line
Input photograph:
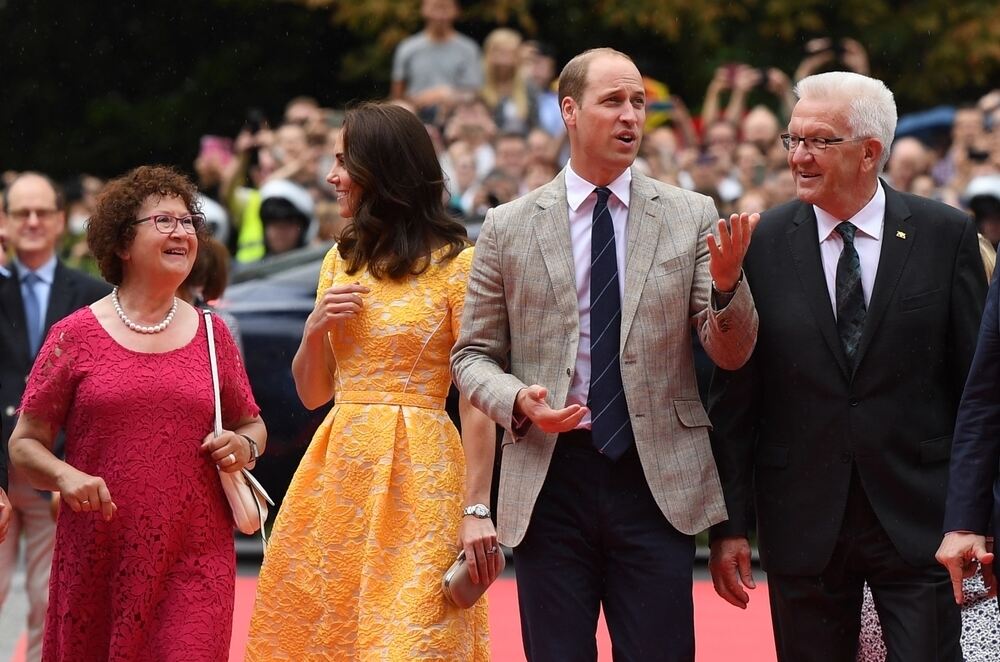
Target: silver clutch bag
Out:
[457,585]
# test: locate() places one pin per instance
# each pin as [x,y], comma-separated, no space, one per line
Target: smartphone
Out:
[255,120]
[216,146]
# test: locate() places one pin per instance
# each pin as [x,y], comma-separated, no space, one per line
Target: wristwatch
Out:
[254,453]
[478,510]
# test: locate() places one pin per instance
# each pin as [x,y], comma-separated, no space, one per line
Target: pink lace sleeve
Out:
[237,397]
[53,380]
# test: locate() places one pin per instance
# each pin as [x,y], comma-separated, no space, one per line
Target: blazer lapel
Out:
[62,294]
[803,241]
[551,227]
[898,235]
[13,312]
[645,222]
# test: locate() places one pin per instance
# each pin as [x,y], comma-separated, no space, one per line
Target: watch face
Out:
[478,510]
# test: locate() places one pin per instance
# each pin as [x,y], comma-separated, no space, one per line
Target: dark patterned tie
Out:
[850,297]
[610,424]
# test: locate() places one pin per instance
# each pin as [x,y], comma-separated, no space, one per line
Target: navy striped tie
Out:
[610,425]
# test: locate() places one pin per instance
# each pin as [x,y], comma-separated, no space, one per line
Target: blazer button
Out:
[854,403]
[569,372]
[9,411]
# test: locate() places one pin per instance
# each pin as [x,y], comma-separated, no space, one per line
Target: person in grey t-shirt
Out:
[437,66]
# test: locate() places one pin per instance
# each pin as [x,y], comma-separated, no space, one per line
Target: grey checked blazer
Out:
[522,303]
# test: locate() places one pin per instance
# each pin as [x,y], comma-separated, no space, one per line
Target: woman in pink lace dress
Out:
[144,566]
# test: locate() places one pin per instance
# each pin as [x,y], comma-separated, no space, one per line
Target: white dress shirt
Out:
[867,241]
[581,199]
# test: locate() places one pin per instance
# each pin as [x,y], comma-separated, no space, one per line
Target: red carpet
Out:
[723,633]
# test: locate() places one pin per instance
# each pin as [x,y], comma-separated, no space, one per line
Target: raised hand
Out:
[339,303]
[727,252]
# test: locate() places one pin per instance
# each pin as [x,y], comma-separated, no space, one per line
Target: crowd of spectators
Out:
[493,114]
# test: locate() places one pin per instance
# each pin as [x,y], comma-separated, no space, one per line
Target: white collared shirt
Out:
[870,222]
[581,199]
[43,288]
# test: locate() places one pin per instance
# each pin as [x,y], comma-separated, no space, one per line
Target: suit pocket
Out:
[775,457]
[675,263]
[921,300]
[692,414]
[935,450]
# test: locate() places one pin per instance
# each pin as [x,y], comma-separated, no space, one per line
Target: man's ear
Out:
[873,152]
[568,107]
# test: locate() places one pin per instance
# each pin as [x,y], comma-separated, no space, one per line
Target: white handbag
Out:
[247,498]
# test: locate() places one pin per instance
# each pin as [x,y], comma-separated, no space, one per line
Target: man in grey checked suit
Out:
[607,469]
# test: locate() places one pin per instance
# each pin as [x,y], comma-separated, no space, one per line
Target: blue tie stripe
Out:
[32,312]
[615,435]
[611,427]
[595,340]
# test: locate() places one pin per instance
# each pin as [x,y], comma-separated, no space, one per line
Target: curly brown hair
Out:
[110,229]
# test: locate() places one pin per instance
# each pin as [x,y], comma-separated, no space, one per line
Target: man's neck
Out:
[850,207]
[34,261]
[440,31]
[596,176]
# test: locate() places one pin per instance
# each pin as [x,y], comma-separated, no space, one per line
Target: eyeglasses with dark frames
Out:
[166,224]
[813,144]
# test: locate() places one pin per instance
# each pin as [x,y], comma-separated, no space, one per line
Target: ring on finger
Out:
[85,502]
[231,458]
[492,550]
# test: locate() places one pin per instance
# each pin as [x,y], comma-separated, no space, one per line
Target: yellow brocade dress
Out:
[370,521]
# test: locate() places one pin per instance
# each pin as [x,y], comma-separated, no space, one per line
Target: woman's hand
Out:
[229,451]
[84,493]
[339,303]
[479,540]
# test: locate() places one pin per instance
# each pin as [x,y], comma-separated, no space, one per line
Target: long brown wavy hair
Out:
[400,218]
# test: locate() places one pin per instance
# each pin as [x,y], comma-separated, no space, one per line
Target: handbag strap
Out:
[251,481]
[215,371]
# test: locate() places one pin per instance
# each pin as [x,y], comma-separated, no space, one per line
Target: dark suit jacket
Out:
[792,423]
[974,487]
[71,290]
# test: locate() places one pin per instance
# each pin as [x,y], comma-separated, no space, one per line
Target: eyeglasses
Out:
[166,224]
[813,145]
[21,215]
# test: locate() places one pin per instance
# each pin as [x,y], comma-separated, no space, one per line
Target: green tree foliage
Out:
[103,86]
[932,51]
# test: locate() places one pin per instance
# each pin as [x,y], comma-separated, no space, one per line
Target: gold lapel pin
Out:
[900,234]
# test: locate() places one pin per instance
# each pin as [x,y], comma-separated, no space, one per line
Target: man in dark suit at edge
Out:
[839,427]
[39,292]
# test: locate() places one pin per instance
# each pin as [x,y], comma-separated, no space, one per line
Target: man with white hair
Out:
[839,427]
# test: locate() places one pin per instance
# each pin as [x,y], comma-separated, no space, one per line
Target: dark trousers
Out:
[817,619]
[597,538]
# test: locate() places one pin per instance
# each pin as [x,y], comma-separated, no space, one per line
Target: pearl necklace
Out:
[141,328]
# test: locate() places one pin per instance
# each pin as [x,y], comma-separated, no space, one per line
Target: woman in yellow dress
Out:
[369,524]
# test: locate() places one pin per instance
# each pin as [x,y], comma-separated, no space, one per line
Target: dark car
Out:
[271,301]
